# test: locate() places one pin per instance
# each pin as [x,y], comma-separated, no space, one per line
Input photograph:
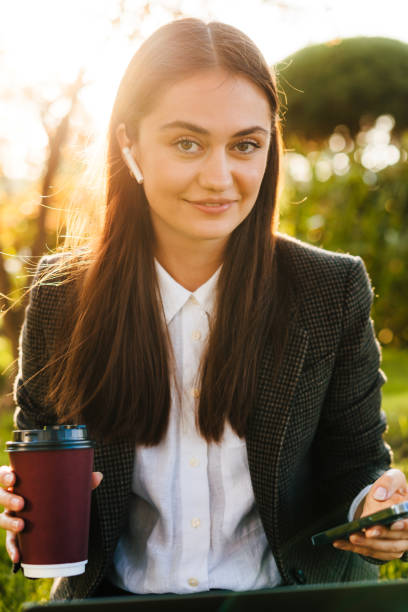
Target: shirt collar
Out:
[174,295]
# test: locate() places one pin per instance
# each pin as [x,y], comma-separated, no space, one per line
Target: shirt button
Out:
[195,522]
[195,392]
[193,462]
[193,582]
[196,335]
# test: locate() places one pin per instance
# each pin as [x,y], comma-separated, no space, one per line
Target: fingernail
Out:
[8,479]
[16,524]
[374,532]
[381,494]
[16,504]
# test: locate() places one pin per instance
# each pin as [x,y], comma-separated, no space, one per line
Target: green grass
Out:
[395,404]
[15,589]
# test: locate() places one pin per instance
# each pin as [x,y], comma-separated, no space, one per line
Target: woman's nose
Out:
[216,172]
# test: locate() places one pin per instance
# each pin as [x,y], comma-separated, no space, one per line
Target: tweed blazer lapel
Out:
[267,428]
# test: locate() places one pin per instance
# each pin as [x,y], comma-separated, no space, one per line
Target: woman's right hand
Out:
[14,503]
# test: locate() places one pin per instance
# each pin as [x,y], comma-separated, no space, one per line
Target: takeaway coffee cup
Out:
[53,469]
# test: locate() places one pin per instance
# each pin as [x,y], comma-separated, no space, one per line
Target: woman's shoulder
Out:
[320,275]
[63,261]
[307,256]
[54,281]
[311,265]
[59,269]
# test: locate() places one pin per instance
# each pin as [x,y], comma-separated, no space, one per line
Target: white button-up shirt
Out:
[193,524]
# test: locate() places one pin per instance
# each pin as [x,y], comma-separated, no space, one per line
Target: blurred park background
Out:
[343,77]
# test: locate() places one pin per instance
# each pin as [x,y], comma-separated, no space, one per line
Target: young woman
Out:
[229,373]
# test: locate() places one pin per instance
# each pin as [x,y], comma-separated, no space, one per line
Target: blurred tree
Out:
[352,196]
[27,229]
[349,81]
[57,135]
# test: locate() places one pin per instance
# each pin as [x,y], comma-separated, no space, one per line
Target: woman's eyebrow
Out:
[196,128]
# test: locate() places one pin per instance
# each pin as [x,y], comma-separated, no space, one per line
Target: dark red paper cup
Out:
[53,468]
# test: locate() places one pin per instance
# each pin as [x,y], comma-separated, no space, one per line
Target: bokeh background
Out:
[342,71]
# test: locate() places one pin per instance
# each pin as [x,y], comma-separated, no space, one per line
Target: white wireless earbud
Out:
[132,165]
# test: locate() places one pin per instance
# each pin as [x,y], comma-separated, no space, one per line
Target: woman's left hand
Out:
[380,542]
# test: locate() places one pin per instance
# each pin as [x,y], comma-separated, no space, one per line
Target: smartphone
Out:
[383,517]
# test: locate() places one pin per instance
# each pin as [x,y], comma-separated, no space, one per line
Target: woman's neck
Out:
[190,267]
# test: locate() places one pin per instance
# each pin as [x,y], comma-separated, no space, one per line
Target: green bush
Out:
[342,81]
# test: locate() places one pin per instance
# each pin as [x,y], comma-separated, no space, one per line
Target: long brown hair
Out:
[113,370]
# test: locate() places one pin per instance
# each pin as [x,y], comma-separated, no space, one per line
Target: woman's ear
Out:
[128,151]
[122,136]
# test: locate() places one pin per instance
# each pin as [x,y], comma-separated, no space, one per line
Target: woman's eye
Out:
[187,146]
[247,146]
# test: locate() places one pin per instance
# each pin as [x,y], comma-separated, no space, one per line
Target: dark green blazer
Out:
[314,439]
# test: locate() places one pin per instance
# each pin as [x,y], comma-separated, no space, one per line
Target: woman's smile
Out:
[213,206]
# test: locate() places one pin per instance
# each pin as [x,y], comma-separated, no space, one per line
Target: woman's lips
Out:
[212,206]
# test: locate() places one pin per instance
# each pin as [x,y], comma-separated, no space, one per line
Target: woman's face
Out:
[203,151]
